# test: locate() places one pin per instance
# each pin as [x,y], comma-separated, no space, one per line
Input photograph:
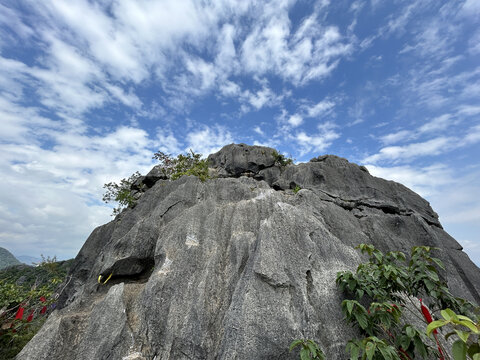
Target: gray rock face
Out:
[239,266]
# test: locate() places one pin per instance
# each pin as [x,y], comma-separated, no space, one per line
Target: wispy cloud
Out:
[319,141]
[407,152]
[208,139]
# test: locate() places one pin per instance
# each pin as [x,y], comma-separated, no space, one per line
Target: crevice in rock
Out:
[310,288]
[171,206]
[359,204]
[268,280]
[129,270]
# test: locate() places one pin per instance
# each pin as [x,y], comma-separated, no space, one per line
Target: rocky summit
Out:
[238,266]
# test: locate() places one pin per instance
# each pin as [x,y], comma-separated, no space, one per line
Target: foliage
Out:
[121,193]
[281,160]
[296,189]
[309,350]
[190,164]
[387,282]
[171,167]
[27,296]
[465,329]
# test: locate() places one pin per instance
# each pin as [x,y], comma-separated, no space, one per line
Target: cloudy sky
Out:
[89,90]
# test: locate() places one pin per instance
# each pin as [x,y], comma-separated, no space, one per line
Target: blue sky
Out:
[89,90]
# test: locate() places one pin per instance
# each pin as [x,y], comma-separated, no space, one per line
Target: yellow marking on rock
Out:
[109,276]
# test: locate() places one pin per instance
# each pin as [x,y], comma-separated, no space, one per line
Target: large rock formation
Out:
[238,266]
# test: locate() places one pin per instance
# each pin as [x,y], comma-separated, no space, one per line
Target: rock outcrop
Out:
[238,266]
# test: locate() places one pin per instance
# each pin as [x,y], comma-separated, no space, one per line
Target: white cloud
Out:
[318,142]
[424,181]
[258,130]
[407,152]
[471,8]
[320,109]
[473,135]
[208,139]
[58,190]
[396,137]
[295,120]
[441,122]
[310,53]
[263,97]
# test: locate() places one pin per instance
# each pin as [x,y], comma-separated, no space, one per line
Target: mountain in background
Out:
[29,260]
[7,259]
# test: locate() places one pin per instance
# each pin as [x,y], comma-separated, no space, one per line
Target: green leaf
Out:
[295,343]
[459,350]
[410,331]
[350,306]
[462,335]
[469,325]
[312,347]
[448,314]
[420,347]
[304,354]
[434,325]
[476,356]
[370,350]
[362,320]
[439,263]
[354,350]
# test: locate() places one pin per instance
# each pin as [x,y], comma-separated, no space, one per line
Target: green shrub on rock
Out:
[190,164]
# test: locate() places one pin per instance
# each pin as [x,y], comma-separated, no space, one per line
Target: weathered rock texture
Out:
[239,266]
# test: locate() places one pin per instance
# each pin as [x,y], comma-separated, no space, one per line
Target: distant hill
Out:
[27,276]
[7,259]
[29,260]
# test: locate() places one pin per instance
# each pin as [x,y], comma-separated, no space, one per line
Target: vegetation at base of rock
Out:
[121,193]
[309,350]
[387,286]
[27,296]
[296,189]
[281,160]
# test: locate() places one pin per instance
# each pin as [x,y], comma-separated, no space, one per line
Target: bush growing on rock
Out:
[388,286]
[190,164]
[121,193]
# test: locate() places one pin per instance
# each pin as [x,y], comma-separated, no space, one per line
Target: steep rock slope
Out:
[238,266]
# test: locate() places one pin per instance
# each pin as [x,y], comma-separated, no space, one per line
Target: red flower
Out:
[19,314]
[30,317]
[42,299]
[426,314]
[44,309]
